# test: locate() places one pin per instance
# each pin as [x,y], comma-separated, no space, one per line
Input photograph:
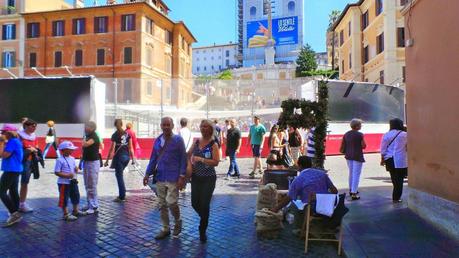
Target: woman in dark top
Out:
[122,148]
[204,157]
[352,147]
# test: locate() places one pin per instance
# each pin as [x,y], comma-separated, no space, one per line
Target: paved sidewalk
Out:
[128,230]
[375,227]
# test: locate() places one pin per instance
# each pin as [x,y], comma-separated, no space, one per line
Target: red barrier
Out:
[332,146]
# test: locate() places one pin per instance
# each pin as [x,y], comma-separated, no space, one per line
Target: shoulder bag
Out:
[389,163]
[160,155]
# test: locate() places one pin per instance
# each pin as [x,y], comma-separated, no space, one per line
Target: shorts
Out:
[67,192]
[256,150]
[27,172]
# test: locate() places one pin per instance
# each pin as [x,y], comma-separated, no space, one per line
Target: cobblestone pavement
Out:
[128,229]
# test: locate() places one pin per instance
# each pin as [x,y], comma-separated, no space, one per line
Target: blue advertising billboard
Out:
[284,32]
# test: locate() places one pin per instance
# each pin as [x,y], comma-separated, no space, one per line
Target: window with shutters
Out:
[365,20]
[128,22]
[8,59]
[101,56]
[78,57]
[58,28]
[101,24]
[366,55]
[79,26]
[379,7]
[149,26]
[32,60]
[400,37]
[33,30]
[128,55]
[341,38]
[380,43]
[9,32]
[58,59]
[168,37]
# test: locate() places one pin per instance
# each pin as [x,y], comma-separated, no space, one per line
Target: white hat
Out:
[67,145]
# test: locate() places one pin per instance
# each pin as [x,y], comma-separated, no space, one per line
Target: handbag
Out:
[389,163]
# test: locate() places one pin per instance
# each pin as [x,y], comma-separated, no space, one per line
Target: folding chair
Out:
[319,236]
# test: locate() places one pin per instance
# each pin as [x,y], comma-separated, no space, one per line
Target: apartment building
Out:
[209,60]
[135,42]
[12,25]
[371,36]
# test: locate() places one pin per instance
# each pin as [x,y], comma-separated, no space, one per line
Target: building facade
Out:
[211,60]
[322,61]
[13,27]
[432,112]
[371,37]
[134,42]
[255,27]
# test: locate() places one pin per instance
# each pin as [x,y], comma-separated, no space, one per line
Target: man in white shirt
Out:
[185,133]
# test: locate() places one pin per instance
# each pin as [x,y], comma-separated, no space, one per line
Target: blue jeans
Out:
[233,164]
[119,163]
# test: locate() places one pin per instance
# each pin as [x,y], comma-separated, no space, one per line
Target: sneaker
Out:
[163,234]
[355,197]
[252,175]
[177,229]
[70,217]
[80,213]
[260,171]
[24,208]
[13,219]
[119,200]
[90,211]
[236,176]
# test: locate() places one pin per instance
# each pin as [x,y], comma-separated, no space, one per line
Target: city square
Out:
[229,128]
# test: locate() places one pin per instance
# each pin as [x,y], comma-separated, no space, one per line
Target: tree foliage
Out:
[332,17]
[225,75]
[306,60]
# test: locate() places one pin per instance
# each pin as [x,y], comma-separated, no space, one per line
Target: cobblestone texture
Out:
[127,230]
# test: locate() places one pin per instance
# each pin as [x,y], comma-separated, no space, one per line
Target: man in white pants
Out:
[91,165]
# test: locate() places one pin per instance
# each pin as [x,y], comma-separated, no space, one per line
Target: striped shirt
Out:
[310,148]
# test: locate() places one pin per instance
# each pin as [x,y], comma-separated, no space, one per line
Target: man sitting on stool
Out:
[310,181]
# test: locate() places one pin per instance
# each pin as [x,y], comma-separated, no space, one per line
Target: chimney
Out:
[78,3]
[111,1]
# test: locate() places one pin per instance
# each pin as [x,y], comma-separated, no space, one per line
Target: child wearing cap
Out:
[11,153]
[67,170]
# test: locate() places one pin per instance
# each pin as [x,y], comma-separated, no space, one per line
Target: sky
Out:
[214,21]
